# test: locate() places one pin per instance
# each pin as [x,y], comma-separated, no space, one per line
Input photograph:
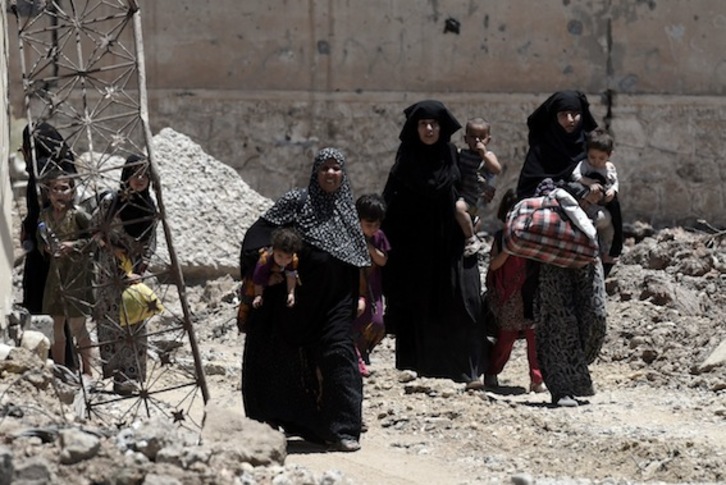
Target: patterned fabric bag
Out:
[538,228]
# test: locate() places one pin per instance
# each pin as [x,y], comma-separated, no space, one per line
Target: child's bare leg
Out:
[83,339]
[58,349]
[464,219]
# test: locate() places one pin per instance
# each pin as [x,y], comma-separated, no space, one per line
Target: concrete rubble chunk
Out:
[717,358]
[208,207]
[77,446]
[235,438]
[35,342]
[35,470]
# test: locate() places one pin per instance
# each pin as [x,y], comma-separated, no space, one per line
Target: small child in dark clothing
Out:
[368,327]
[276,263]
[478,166]
[281,257]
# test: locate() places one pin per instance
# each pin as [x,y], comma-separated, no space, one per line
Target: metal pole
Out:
[176,268]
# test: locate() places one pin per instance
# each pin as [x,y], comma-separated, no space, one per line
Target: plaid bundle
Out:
[537,228]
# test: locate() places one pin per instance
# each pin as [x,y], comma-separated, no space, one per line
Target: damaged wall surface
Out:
[262,85]
[6,194]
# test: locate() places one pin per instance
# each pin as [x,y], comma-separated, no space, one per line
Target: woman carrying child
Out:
[433,301]
[300,369]
[44,150]
[570,302]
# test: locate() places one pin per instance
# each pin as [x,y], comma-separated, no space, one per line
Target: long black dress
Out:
[285,348]
[432,293]
[300,369]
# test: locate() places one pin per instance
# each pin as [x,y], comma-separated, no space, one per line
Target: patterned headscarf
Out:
[327,221]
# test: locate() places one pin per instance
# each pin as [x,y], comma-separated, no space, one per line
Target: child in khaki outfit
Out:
[63,235]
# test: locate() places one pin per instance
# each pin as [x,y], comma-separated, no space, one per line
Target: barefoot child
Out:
[63,234]
[368,328]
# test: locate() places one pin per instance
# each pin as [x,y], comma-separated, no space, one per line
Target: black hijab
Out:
[325,220]
[554,153]
[425,169]
[135,209]
[52,153]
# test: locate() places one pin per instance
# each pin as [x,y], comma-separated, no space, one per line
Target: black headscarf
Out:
[135,209]
[52,153]
[327,221]
[554,153]
[426,169]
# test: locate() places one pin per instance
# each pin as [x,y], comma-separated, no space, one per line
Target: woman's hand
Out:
[361,306]
[487,192]
[609,196]
[594,195]
[257,302]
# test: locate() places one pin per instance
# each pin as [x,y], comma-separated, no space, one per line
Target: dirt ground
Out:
[659,415]
[656,417]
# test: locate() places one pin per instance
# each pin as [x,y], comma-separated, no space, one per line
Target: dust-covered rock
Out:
[207,206]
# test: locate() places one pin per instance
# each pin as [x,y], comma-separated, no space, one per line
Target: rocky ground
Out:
[659,415]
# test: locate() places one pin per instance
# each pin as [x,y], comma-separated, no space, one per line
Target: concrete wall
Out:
[6,195]
[262,85]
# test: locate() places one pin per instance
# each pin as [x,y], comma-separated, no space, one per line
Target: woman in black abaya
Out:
[432,293]
[300,369]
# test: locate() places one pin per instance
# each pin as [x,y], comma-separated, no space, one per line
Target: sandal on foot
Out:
[345,444]
[566,402]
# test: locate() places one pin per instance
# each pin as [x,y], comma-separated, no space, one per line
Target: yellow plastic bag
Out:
[138,301]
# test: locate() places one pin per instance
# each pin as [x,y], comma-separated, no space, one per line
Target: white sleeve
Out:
[577,173]
[612,177]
